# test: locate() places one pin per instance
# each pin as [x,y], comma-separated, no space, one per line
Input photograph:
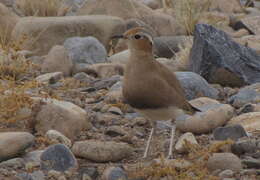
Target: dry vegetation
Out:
[198,156]
[42,7]
[189,12]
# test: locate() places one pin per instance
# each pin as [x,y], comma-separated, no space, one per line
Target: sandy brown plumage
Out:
[149,86]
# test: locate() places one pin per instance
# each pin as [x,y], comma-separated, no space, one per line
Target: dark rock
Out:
[251,163]
[217,58]
[58,157]
[85,50]
[244,146]
[195,86]
[114,173]
[248,94]
[105,83]
[233,132]
[167,46]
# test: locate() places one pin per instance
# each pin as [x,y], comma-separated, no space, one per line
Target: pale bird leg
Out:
[171,142]
[148,143]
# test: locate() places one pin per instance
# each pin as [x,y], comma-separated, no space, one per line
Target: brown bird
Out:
[149,86]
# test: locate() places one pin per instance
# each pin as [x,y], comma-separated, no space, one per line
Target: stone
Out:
[195,86]
[7,3]
[49,78]
[33,157]
[231,6]
[15,163]
[83,77]
[248,94]
[55,137]
[86,50]
[88,172]
[167,46]
[58,157]
[249,121]
[226,174]
[105,70]
[120,57]
[217,58]
[58,60]
[233,132]
[153,4]
[115,110]
[105,83]
[13,144]
[36,175]
[114,173]
[213,115]
[65,117]
[58,29]
[162,24]
[244,146]
[251,23]
[98,151]
[250,162]
[224,161]
[114,131]
[8,21]
[185,138]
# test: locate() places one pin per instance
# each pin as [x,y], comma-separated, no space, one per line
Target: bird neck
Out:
[141,56]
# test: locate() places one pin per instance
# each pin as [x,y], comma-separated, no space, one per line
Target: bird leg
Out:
[149,140]
[171,142]
[148,143]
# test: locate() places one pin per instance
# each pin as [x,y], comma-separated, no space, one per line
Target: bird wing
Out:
[177,90]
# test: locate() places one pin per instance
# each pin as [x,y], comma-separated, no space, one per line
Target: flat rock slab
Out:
[98,151]
[213,114]
[57,29]
[58,157]
[217,58]
[13,144]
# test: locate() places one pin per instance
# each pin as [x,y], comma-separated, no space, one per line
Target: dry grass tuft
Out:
[198,156]
[42,7]
[189,12]
[182,58]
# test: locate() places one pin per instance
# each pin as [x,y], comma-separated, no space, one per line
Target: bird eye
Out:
[137,36]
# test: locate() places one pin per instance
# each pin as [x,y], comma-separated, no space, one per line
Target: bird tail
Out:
[191,109]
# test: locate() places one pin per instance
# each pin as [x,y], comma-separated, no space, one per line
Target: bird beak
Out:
[118,37]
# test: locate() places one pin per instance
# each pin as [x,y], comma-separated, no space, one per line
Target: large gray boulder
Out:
[219,59]
[86,50]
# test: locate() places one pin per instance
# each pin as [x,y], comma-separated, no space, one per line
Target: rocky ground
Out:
[62,116]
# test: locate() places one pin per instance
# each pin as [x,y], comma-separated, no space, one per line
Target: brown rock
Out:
[14,143]
[8,21]
[58,29]
[230,6]
[223,161]
[105,70]
[58,60]
[162,23]
[251,23]
[102,151]
[250,121]
[212,116]
[62,116]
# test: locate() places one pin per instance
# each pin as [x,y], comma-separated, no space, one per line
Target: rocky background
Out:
[61,110]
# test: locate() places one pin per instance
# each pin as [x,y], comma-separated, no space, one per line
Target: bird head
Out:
[138,39]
